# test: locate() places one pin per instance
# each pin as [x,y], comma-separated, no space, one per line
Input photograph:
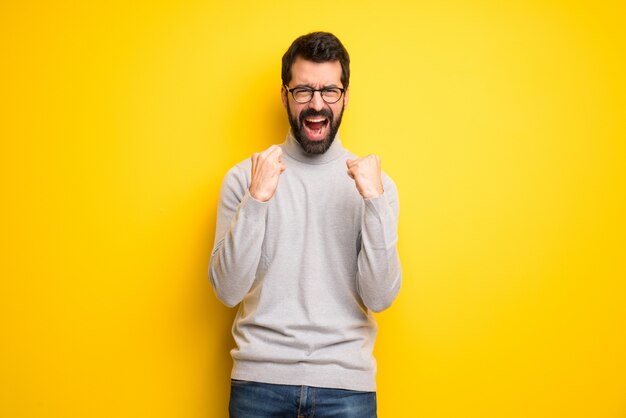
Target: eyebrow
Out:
[313,88]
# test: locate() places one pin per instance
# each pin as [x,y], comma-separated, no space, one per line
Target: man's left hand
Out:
[366,175]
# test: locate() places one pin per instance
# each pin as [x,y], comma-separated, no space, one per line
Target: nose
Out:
[317,103]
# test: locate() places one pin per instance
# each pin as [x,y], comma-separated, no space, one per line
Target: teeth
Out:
[315,120]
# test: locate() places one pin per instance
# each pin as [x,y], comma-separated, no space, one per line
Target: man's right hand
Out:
[267,167]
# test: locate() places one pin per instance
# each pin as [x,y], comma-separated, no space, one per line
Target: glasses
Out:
[305,94]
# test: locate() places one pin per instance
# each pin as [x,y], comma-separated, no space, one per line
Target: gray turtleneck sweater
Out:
[307,268]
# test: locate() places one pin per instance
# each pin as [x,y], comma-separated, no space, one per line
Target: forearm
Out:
[379,273]
[237,251]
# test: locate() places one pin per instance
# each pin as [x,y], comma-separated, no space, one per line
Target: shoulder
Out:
[237,179]
[239,172]
[388,182]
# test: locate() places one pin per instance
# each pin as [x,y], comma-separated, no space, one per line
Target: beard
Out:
[297,127]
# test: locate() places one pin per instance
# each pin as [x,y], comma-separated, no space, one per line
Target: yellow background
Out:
[502,123]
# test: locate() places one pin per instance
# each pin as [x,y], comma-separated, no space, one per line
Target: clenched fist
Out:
[267,167]
[366,174]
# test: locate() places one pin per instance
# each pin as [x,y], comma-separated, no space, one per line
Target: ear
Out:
[283,96]
[345,98]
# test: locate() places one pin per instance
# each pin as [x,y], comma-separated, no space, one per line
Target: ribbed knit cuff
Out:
[378,206]
[251,208]
[379,222]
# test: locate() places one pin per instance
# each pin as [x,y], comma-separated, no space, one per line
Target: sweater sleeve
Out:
[239,235]
[379,274]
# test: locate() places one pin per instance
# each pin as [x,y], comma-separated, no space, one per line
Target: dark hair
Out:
[317,47]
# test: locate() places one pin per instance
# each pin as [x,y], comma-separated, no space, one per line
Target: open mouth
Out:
[315,127]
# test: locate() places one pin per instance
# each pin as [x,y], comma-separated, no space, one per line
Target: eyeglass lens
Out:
[329,95]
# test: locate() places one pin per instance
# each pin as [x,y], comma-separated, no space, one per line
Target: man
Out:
[306,244]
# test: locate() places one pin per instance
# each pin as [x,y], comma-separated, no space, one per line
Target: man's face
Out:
[314,124]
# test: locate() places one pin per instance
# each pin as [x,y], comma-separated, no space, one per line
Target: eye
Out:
[331,93]
[302,93]
[301,90]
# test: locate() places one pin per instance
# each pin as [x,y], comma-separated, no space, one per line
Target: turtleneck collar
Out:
[293,148]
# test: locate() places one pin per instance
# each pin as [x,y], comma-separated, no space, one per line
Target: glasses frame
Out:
[343,91]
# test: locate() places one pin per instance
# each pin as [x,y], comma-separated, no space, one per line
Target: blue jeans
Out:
[265,400]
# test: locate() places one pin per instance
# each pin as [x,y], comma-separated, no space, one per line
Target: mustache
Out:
[312,112]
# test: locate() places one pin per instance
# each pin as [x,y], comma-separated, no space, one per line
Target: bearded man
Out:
[305,244]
